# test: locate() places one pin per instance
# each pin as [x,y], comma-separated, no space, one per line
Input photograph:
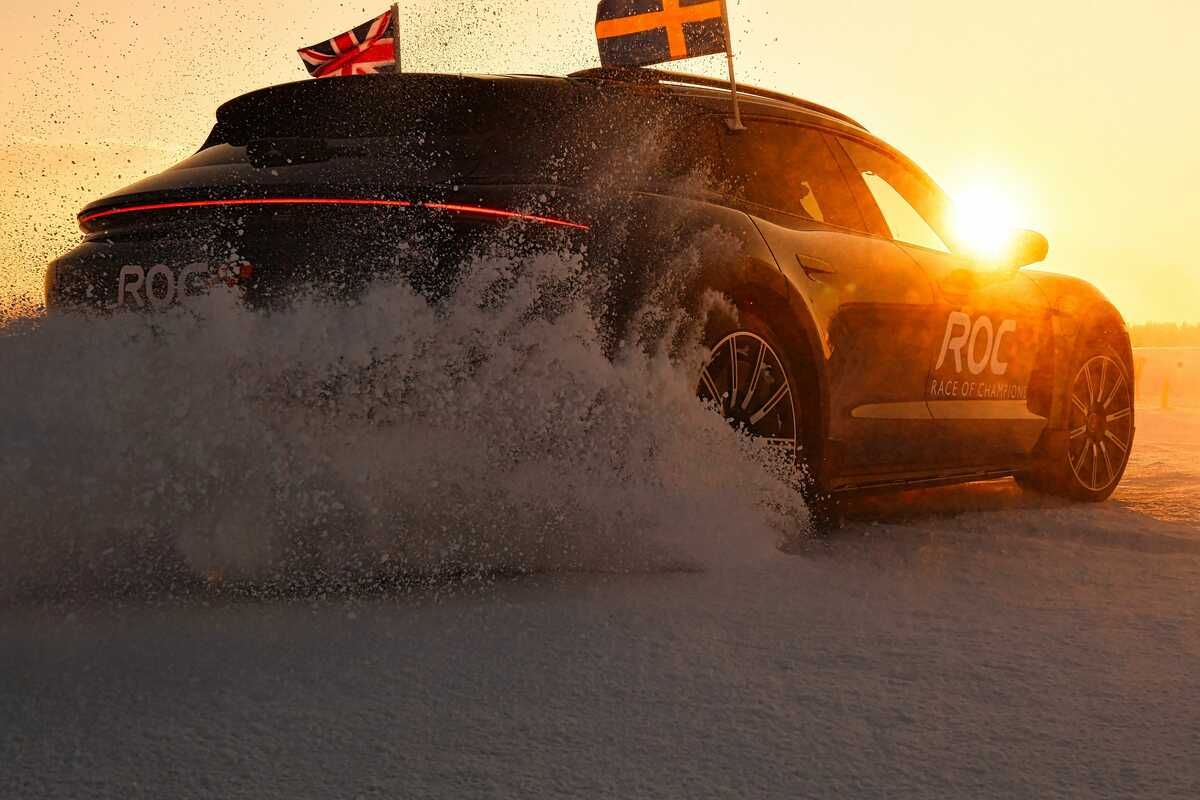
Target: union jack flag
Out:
[368,49]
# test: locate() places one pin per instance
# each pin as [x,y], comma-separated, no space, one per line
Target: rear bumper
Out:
[151,255]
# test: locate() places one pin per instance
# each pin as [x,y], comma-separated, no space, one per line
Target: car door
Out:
[872,303]
[993,321]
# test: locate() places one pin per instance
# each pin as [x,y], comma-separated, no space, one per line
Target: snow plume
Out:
[338,444]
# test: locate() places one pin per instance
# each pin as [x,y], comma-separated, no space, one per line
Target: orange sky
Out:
[1085,114]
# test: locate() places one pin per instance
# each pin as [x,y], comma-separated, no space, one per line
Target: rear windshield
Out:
[485,128]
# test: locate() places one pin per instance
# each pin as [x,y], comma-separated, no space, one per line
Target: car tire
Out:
[761,385]
[1088,462]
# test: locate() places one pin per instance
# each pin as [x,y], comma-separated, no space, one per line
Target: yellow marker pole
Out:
[734,124]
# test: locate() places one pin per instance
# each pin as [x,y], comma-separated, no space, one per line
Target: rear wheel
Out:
[760,387]
[746,379]
[1089,462]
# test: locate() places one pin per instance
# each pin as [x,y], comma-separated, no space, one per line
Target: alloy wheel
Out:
[745,379]
[1101,423]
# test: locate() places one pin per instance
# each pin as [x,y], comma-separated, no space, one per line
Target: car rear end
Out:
[331,184]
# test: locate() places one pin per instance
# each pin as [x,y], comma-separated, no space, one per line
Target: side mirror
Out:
[1025,248]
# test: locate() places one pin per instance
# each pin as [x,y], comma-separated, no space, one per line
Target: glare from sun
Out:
[985,217]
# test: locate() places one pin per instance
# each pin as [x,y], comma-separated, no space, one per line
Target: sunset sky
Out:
[1083,118]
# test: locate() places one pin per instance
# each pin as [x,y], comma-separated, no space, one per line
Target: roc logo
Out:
[977,343]
[160,286]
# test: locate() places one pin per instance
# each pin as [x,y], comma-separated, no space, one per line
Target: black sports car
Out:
[867,341]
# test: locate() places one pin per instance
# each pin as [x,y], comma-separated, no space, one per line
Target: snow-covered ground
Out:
[963,642]
[939,660]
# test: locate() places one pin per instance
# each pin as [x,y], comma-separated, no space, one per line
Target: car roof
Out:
[708,95]
[715,92]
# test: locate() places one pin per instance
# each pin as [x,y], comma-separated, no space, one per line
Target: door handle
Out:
[814,267]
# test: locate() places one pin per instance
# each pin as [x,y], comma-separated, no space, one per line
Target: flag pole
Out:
[735,124]
[396,36]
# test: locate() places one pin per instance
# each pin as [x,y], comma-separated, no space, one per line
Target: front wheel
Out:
[1089,462]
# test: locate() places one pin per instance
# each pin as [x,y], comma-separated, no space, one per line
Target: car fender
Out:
[737,262]
[1079,313]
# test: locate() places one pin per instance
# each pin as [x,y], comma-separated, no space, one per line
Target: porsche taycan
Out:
[866,341]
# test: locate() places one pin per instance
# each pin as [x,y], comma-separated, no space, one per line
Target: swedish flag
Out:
[636,33]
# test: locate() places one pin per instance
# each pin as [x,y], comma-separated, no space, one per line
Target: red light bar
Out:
[482,211]
[495,212]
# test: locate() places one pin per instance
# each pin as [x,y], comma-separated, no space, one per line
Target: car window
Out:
[789,168]
[905,222]
[911,206]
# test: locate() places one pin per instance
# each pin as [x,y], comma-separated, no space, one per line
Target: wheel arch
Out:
[1092,329]
[1079,314]
[736,262]
[758,285]
[1076,331]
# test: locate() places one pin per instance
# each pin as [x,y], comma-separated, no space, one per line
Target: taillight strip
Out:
[456,208]
[496,212]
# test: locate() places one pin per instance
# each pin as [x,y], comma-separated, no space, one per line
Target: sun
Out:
[985,216]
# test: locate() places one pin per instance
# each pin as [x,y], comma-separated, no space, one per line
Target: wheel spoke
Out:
[1103,379]
[1091,386]
[1080,431]
[733,371]
[1083,455]
[1116,388]
[758,365]
[1107,461]
[1095,466]
[1079,404]
[1122,414]
[1122,446]
[780,393]
[711,385]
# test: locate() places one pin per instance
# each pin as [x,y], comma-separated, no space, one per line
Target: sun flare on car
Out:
[985,215]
